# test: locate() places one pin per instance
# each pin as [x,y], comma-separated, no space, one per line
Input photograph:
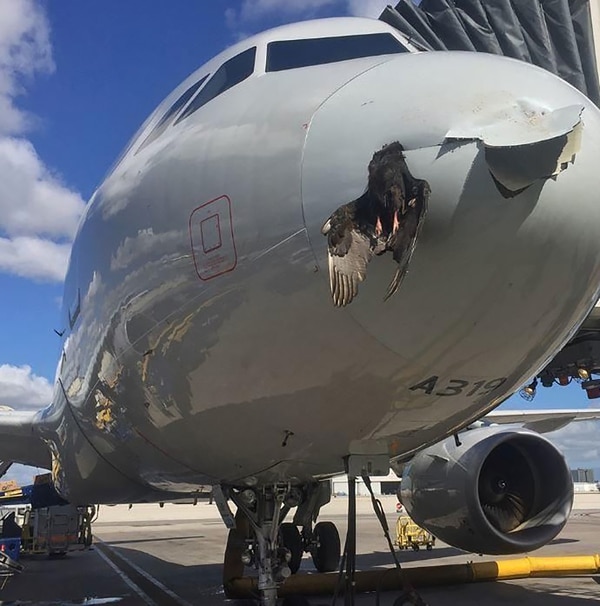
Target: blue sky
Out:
[76,80]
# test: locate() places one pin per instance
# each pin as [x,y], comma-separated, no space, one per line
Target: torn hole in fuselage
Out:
[517,167]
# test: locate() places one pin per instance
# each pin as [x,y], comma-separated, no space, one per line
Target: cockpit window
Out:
[164,122]
[290,54]
[232,72]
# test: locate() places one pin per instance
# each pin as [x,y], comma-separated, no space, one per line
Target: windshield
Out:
[291,54]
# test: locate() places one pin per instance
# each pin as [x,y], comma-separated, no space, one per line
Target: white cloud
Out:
[254,10]
[32,200]
[38,213]
[580,443]
[24,50]
[36,258]
[367,8]
[20,388]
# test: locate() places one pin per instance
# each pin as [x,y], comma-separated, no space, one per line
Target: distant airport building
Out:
[382,485]
[582,475]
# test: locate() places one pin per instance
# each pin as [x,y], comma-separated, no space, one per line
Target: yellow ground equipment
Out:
[411,536]
[428,576]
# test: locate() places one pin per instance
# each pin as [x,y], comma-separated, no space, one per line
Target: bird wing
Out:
[349,253]
[403,259]
[405,239]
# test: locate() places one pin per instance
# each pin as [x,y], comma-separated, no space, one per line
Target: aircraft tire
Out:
[326,555]
[291,539]
[233,566]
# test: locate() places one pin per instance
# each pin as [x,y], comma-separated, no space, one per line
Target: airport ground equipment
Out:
[43,521]
[39,494]
[11,546]
[411,536]
[53,530]
[57,530]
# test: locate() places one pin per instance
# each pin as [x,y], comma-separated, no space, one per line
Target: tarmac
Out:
[173,555]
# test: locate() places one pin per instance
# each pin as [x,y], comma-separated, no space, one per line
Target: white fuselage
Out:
[202,345]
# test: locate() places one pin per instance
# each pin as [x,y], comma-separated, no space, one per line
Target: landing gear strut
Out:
[261,539]
[263,511]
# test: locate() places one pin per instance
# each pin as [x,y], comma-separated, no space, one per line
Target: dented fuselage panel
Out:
[524,142]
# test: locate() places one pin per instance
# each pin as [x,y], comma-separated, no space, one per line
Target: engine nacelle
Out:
[500,491]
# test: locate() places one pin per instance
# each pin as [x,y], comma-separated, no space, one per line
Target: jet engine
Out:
[490,490]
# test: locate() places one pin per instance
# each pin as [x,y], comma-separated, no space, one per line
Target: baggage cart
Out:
[411,536]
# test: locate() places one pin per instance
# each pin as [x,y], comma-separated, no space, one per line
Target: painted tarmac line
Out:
[126,579]
[161,592]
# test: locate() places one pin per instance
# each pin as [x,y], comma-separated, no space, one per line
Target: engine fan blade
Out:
[506,488]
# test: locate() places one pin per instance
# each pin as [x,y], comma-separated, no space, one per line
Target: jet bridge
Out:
[561,36]
[557,35]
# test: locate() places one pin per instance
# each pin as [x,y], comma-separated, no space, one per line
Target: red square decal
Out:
[211,235]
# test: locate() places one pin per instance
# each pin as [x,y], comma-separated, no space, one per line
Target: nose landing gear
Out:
[261,538]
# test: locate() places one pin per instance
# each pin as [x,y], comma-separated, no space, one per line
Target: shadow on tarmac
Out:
[529,592]
[186,537]
[81,576]
[199,583]
[563,541]
[384,558]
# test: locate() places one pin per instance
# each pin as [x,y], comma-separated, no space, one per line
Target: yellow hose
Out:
[424,576]
[535,567]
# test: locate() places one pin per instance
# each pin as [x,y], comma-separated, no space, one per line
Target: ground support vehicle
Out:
[411,536]
[57,530]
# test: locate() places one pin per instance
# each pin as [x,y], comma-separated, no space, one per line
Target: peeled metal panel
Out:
[553,34]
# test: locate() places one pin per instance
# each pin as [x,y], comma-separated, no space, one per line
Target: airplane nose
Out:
[508,255]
